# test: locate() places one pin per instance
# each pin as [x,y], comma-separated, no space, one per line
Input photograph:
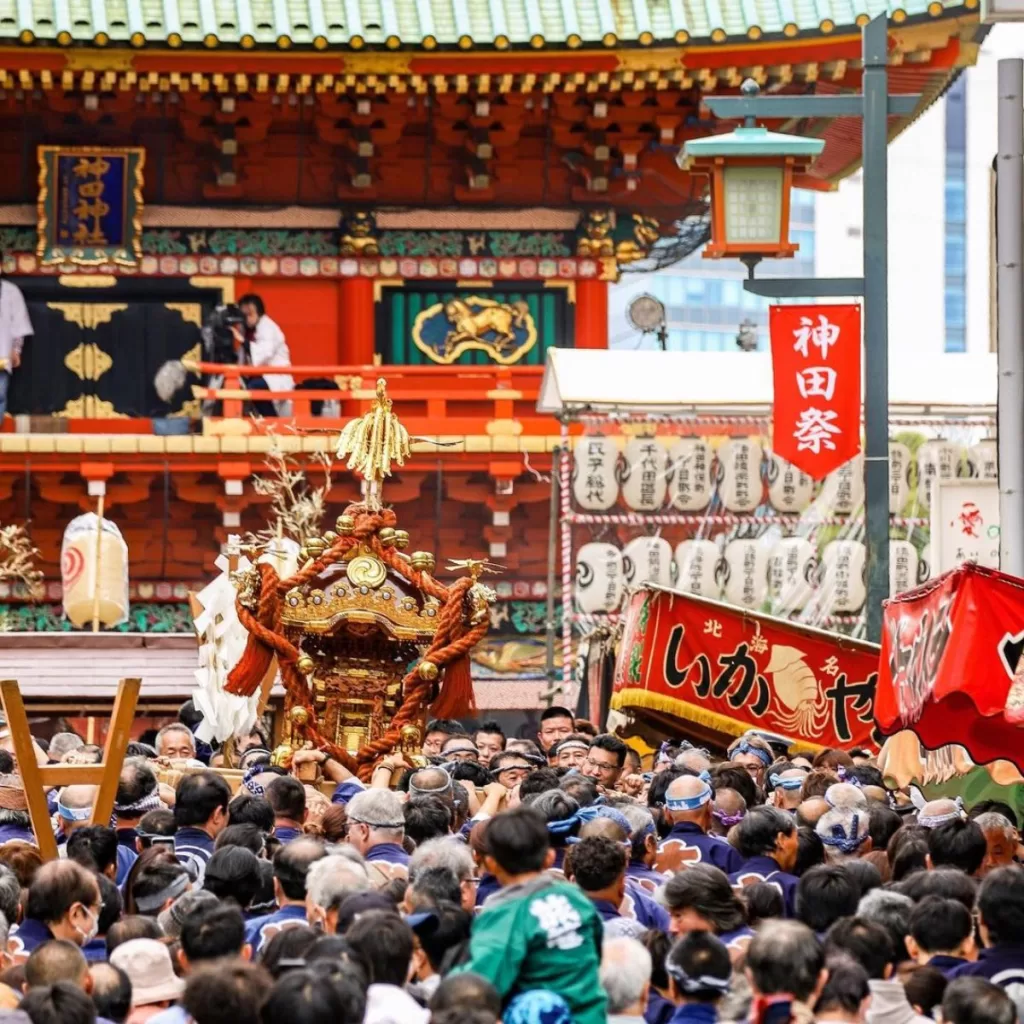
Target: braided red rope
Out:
[452,641]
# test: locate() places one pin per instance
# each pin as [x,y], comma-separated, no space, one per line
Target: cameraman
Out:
[263,344]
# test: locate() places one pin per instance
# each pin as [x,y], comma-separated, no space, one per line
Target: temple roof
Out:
[428,24]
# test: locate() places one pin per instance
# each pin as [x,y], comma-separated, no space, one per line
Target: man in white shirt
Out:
[15,327]
[264,345]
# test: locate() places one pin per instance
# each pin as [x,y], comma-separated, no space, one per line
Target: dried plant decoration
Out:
[17,560]
[296,507]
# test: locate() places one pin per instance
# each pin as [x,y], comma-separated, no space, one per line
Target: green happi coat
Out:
[541,934]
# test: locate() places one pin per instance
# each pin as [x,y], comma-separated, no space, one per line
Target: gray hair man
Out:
[453,854]
[175,741]
[625,976]
[329,882]
[376,828]
[1001,840]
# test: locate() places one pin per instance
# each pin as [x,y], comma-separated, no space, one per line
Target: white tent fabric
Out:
[613,380]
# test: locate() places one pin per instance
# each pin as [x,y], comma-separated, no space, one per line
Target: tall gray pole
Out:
[1010,312]
[876,319]
[549,625]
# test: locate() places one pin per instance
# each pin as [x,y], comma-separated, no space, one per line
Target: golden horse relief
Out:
[504,330]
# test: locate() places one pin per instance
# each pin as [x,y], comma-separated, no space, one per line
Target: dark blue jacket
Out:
[260,930]
[1002,964]
[765,869]
[646,878]
[947,964]
[688,844]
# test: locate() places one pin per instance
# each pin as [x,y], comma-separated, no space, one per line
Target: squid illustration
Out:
[797,690]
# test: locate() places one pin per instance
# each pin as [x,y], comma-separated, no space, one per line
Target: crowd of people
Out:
[527,881]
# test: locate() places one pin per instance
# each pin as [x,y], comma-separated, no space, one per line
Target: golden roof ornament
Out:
[372,442]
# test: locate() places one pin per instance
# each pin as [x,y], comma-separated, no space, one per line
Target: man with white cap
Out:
[155,986]
[688,805]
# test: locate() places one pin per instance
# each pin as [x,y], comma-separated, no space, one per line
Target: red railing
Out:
[429,399]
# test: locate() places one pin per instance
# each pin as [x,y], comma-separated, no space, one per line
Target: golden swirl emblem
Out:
[366,571]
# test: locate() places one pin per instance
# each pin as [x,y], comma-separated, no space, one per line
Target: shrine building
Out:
[434,190]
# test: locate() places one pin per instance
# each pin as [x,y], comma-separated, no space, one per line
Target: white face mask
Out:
[94,926]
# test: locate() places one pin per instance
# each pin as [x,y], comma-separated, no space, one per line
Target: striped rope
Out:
[679,519]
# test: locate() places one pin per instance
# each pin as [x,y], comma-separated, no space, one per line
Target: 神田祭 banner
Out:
[952,667]
[816,369]
[732,670]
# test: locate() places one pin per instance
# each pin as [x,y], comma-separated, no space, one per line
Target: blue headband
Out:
[612,815]
[780,783]
[74,813]
[689,803]
[567,825]
[840,840]
[745,748]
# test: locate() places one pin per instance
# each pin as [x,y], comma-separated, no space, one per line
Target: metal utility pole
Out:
[874,105]
[876,318]
[1010,313]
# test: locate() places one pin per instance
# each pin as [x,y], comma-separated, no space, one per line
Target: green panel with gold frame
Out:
[445,323]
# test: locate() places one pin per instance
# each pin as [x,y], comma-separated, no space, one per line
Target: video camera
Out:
[218,333]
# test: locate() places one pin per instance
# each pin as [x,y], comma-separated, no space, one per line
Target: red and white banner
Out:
[952,666]
[732,670]
[816,365]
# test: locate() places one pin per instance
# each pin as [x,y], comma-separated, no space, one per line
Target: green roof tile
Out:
[480,23]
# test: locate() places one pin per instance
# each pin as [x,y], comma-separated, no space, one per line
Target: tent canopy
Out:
[617,380]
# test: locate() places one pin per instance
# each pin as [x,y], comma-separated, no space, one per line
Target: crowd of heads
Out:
[540,879]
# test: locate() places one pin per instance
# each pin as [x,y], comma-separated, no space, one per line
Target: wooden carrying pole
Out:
[37,780]
[96,567]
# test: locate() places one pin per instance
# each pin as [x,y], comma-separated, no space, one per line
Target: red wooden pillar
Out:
[591,313]
[355,321]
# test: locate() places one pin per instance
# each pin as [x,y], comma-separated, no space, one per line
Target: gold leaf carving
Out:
[88,361]
[88,315]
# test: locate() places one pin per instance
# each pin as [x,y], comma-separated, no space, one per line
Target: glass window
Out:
[954,307]
[731,293]
[956,339]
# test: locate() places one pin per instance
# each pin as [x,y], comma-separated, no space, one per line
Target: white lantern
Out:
[746,566]
[903,566]
[739,474]
[94,572]
[935,459]
[900,460]
[843,581]
[594,483]
[983,460]
[599,578]
[697,568]
[644,474]
[791,567]
[691,460]
[648,560]
[789,489]
[843,491]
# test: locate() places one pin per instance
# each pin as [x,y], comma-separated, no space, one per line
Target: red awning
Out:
[951,666]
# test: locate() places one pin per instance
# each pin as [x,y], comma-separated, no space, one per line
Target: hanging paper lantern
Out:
[746,567]
[983,460]
[935,460]
[843,491]
[691,460]
[697,570]
[599,578]
[739,474]
[648,560]
[94,566]
[900,461]
[594,484]
[789,489]
[843,579]
[903,566]
[791,568]
[644,470]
